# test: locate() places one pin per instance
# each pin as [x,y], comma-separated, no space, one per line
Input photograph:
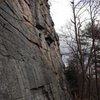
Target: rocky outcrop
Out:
[30,64]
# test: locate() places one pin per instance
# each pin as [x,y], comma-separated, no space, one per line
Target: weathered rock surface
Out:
[30,64]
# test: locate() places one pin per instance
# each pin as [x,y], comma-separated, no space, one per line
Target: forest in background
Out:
[82,37]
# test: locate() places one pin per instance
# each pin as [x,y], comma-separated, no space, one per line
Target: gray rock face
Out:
[30,64]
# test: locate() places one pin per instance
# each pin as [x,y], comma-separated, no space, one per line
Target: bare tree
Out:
[94,11]
[77,27]
[80,9]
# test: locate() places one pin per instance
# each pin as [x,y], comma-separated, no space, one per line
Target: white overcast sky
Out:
[61,12]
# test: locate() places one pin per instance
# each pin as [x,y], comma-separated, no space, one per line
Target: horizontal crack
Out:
[10,8]
[20,31]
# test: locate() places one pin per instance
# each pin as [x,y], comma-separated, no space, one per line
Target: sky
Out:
[61,12]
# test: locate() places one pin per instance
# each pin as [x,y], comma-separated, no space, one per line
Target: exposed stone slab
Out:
[30,63]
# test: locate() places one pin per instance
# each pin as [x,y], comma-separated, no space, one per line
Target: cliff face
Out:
[30,64]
